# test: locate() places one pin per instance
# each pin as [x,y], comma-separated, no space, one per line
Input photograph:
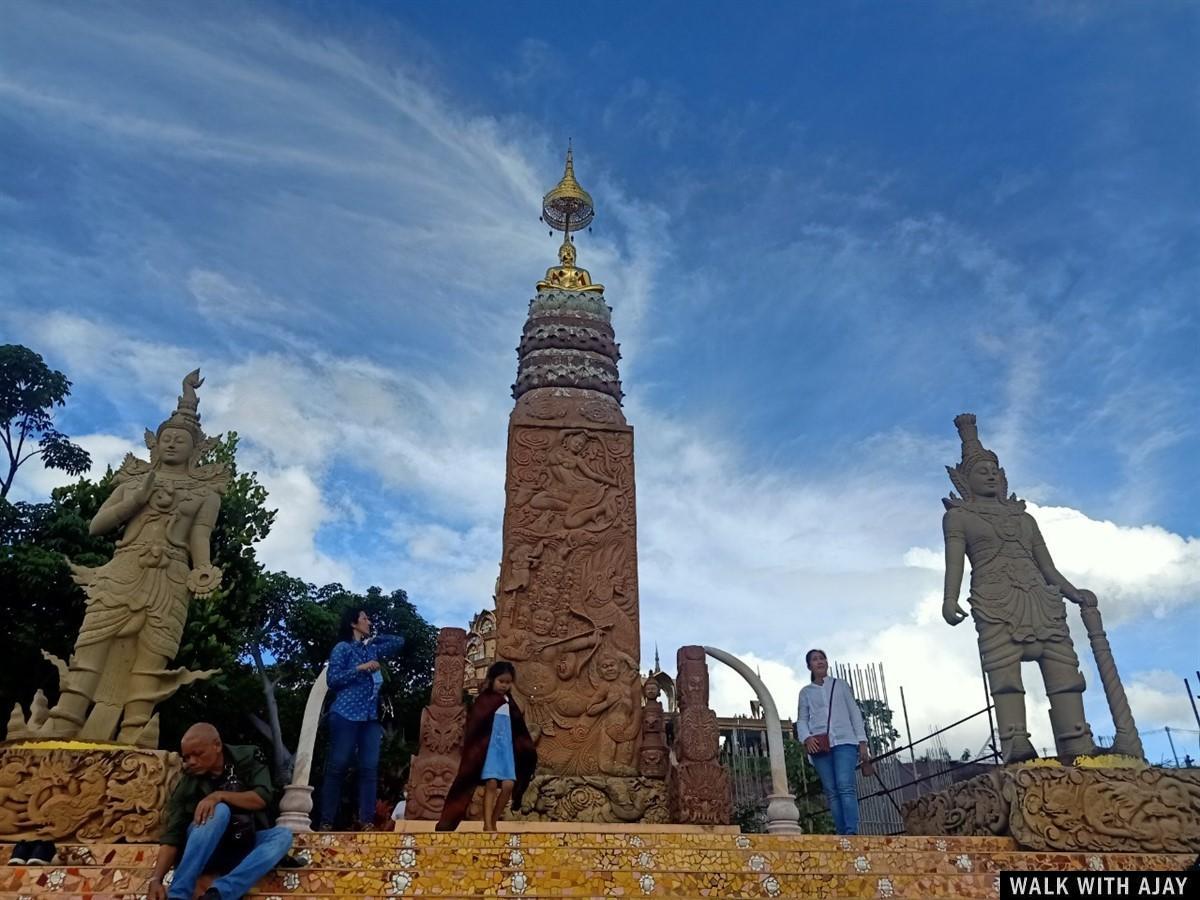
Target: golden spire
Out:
[568,207]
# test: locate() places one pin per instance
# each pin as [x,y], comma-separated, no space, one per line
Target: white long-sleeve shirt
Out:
[845,723]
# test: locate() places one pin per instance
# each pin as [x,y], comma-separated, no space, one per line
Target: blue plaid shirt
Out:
[357,693]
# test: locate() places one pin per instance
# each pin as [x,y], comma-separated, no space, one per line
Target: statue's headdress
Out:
[972,452]
[185,416]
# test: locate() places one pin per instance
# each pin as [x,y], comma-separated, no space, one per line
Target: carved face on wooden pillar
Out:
[693,677]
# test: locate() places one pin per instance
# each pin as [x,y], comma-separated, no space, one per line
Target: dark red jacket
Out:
[476,738]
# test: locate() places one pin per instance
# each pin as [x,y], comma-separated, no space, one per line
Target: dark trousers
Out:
[357,741]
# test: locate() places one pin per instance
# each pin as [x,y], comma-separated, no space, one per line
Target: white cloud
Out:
[302,512]
[1159,698]
[1134,570]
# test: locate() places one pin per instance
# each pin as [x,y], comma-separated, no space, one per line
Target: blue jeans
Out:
[347,740]
[836,770]
[202,840]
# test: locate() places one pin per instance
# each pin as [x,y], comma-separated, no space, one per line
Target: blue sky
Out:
[824,231]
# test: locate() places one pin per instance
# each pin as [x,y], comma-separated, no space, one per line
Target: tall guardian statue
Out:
[137,602]
[1016,600]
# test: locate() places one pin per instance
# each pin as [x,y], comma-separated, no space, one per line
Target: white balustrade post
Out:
[295,809]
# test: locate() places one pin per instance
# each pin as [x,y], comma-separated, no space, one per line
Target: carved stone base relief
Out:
[1113,810]
[556,798]
[85,794]
[700,794]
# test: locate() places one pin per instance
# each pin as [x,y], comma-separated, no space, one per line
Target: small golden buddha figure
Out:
[565,277]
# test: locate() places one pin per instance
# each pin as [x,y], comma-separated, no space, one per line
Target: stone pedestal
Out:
[1052,807]
[67,791]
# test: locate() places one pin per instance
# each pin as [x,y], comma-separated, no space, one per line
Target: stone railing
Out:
[295,809]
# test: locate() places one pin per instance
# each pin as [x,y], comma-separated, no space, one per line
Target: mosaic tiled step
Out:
[565,884]
[852,862]
[536,865]
[323,843]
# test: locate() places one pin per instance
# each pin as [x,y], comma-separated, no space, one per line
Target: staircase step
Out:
[545,864]
[567,884]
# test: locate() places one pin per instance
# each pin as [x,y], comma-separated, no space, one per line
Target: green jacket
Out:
[251,771]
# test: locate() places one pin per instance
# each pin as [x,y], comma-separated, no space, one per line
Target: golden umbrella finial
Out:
[568,207]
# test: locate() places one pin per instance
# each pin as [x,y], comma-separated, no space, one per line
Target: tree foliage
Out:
[29,392]
[881,734]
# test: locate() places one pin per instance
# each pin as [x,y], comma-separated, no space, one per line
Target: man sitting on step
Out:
[217,816]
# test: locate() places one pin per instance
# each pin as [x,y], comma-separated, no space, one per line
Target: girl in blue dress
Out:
[498,753]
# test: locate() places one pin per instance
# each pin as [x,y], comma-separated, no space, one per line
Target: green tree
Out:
[303,646]
[881,734]
[29,392]
[269,633]
[40,605]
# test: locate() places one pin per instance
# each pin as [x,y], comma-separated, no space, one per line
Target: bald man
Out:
[218,816]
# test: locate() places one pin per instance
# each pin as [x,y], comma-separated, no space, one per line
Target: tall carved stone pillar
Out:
[567,605]
[442,723]
[699,792]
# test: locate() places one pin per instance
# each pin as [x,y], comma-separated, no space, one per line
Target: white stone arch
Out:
[783,816]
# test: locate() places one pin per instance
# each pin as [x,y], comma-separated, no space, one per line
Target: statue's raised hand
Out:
[145,489]
[952,612]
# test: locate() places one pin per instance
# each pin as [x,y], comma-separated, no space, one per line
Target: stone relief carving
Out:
[93,795]
[699,791]
[567,606]
[1114,810]
[442,723]
[138,601]
[975,807]
[595,798]
[1061,808]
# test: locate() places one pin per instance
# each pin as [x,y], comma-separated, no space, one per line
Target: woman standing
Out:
[355,678]
[830,725]
[497,752]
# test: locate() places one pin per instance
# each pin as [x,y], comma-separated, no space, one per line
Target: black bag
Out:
[238,840]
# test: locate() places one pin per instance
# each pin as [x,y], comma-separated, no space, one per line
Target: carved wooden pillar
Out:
[654,757]
[699,791]
[442,722]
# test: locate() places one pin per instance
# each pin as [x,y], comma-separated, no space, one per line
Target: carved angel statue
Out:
[138,601]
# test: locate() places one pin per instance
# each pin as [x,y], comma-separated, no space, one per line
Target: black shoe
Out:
[290,862]
[20,853]
[211,894]
[42,853]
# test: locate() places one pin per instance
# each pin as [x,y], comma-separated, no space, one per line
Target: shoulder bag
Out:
[822,740]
